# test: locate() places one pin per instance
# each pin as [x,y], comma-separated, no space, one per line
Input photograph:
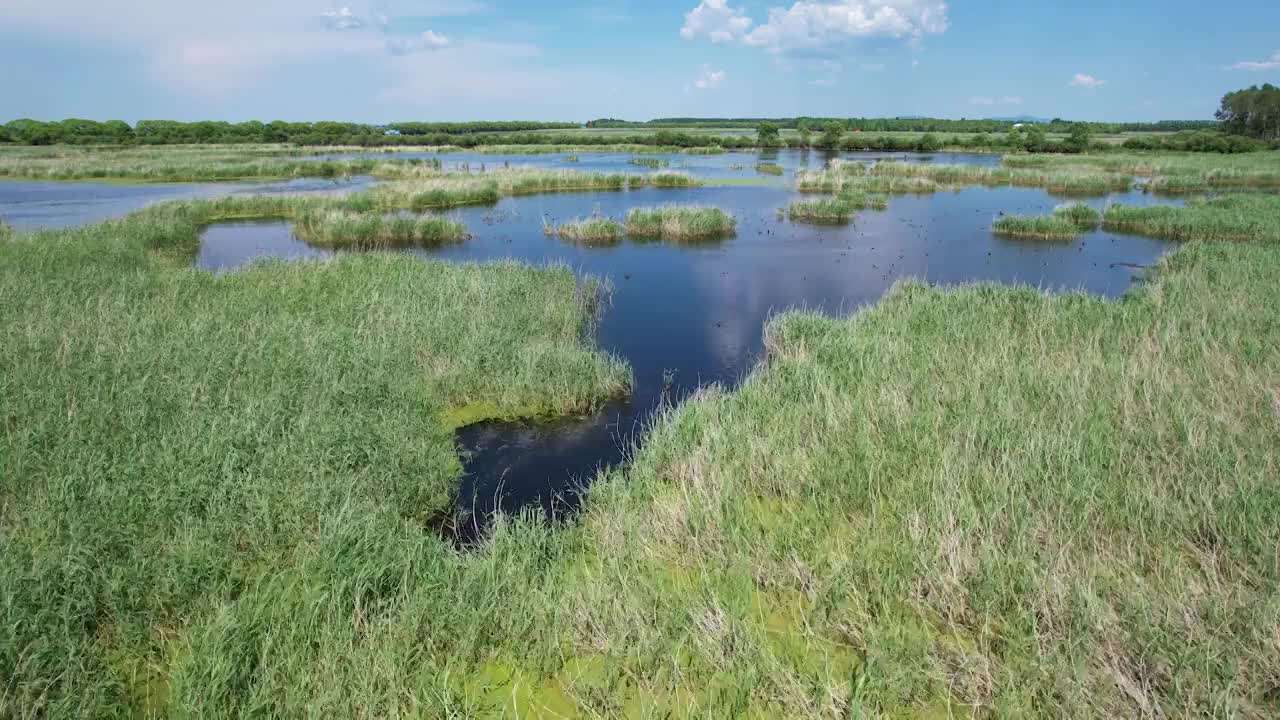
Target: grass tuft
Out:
[839,209]
[769,169]
[680,222]
[366,231]
[587,231]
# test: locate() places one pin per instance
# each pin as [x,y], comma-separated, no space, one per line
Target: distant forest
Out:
[909,124]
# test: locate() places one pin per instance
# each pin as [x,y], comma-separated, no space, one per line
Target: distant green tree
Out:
[806,137]
[1254,112]
[831,134]
[1078,139]
[928,143]
[767,135]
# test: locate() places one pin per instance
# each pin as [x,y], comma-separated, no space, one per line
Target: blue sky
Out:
[388,60]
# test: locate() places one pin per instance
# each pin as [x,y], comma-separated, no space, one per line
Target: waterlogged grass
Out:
[769,169]
[1065,180]
[649,162]
[833,210]
[1049,227]
[176,442]
[1239,218]
[215,493]
[187,164]
[980,501]
[588,231]
[840,181]
[1172,173]
[346,229]
[680,222]
[1066,223]
[442,190]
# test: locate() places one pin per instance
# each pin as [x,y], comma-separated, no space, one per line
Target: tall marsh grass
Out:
[680,222]
[345,229]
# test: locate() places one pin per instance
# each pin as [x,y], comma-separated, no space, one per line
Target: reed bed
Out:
[769,169]
[369,231]
[588,231]
[649,162]
[835,210]
[680,222]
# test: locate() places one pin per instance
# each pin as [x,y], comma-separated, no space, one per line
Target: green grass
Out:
[984,500]
[1049,227]
[1066,180]
[838,209]
[769,169]
[841,180]
[1066,223]
[175,442]
[588,231]
[672,180]
[186,164]
[1240,218]
[215,493]
[649,162]
[347,229]
[1169,173]
[680,222]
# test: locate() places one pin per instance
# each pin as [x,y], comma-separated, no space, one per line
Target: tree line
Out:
[1056,125]
[1252,112]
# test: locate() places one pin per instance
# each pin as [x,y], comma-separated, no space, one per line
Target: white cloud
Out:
[992,101]
[343,19]
[823,82]
[815,25]
[873,67]
[428,40]
[708,79]
[1272,63]
[915,63]
[1086,81]
[716,20]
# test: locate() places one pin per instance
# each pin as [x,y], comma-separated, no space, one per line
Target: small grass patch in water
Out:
[1036,227]
[587,231]
[368,231]
[649,162]
[835,210]
[673,180]
[769,169]
[680,222]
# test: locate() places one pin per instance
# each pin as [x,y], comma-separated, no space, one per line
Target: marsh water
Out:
[28,205]
[686,315]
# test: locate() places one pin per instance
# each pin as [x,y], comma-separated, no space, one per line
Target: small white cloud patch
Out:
[1089,82]
[1272,63]
[343,19]
[428,40]
[810,25]
[708,79]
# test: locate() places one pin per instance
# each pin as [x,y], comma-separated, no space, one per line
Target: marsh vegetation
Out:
[218,492]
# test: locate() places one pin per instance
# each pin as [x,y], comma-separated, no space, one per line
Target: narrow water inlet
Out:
[686,315]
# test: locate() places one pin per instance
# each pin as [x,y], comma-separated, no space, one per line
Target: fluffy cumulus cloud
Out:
[708,78]
[1272,63]
[1089,82]
[816,25]
[714,19]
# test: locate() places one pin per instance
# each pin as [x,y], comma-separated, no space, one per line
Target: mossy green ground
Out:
[983,501]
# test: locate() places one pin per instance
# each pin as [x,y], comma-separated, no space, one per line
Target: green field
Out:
[217,492]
